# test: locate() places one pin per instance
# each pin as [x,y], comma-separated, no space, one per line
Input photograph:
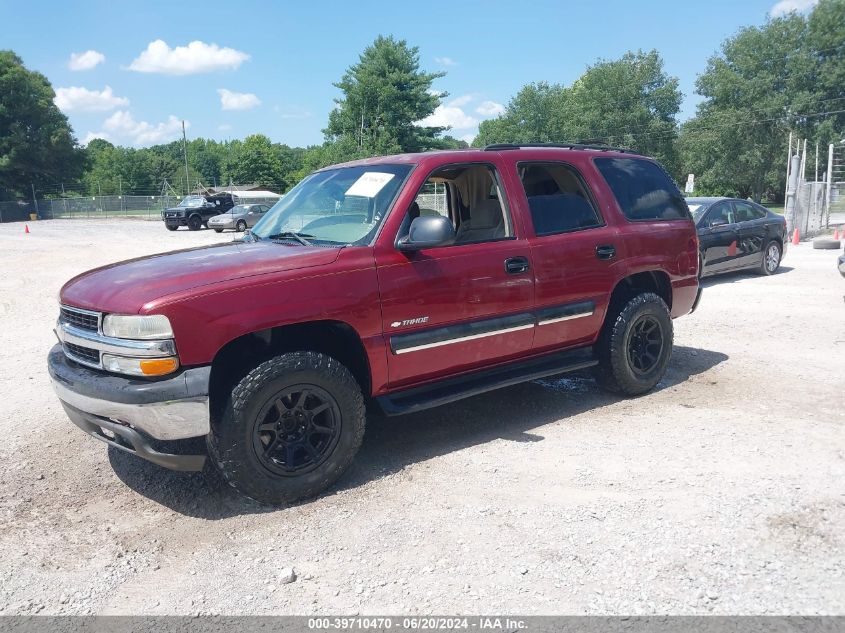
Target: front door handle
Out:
[516,265]
[606,251]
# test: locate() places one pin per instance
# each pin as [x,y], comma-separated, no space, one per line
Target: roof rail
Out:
[496,147]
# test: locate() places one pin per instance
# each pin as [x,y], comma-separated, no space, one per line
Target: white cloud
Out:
[445,61]
[460,101]
[231,100]
[224,127]
[449,116]
[76,99]
[783,7]
[196,57]
[121,126]
[86,60]
[490,108]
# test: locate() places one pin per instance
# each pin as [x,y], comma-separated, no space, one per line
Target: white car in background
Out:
[239,218]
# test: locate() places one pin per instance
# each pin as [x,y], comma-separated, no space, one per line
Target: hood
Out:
[125,287]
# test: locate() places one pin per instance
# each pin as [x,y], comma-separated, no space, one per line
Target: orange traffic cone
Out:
[26,228]
[796,237]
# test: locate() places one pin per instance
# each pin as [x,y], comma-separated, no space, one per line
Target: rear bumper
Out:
[133,410]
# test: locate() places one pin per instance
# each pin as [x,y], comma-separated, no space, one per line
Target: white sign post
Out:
[690,186]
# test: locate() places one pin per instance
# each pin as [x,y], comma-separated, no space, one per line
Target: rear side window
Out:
[746,212]
[643,190]
[557,198]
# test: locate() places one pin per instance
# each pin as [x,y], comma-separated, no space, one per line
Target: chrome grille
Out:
[82,319]
[82,354]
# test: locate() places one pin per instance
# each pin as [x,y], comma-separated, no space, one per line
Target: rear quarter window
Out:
[643,189]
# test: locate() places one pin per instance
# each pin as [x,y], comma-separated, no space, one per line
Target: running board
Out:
[452,389]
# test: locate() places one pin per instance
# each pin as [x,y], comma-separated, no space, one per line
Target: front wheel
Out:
[635,345]
[771,259]
[218,230]
[172,227]
[290,428]
[241,226]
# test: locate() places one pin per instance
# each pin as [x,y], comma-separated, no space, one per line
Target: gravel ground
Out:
[721,492]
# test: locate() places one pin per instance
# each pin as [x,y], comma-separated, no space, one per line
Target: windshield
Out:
[336,206]
[192,201]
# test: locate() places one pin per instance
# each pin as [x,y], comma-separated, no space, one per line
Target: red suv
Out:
[403,282]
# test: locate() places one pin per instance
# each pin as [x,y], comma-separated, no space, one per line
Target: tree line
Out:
[786,75]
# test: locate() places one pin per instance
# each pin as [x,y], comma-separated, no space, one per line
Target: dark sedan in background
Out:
[735,234]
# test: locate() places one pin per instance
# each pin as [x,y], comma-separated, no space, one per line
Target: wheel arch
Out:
[656,281]
[240,355]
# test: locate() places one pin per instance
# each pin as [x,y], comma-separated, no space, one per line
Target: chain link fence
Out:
[142,207]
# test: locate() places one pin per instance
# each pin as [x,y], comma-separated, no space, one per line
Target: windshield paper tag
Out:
[369,184]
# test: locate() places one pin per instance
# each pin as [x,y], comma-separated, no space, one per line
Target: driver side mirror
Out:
[428,232]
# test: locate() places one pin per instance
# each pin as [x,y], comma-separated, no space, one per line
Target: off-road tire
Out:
[765,268]
[240,227]
[171,227]
[615,371]
[230,443]
[218,230]
[194,223]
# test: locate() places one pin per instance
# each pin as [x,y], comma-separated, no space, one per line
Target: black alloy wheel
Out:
[645,344]
[296,430]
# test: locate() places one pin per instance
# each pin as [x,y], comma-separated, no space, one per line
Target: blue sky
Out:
[269,67]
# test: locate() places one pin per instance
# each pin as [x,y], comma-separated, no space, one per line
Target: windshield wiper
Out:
[292,235]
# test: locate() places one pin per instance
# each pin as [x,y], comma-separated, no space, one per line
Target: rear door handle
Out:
[606,251]
[516,265]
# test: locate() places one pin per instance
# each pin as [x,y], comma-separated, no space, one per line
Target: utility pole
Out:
[185,153]
[34,199]
[788,166]
[816,185]
[829,180]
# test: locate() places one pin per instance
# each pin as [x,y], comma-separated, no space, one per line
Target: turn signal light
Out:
[158,366]
[140,366]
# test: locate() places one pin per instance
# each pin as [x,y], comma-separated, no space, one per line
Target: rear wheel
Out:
[635,346]
[241,226]
[291,427]
[194,223]
[771,259]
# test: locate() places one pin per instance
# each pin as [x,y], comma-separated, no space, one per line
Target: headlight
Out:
[140,366]
[153,326]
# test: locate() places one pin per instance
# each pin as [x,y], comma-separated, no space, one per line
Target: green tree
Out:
[825,43]
[37,144]
[537,114]
[385,95]
[630,101]
[756,88]
[257,162]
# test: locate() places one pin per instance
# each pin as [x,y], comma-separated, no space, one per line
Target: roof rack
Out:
[588,146]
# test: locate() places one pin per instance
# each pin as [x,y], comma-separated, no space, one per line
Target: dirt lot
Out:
[721,492]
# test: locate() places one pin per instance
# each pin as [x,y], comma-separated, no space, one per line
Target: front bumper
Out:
[225,224]
[176,221]
[133,410]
